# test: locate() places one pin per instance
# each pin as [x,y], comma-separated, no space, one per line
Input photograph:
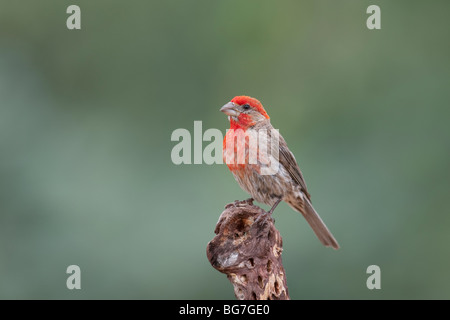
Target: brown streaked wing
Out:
[287,160]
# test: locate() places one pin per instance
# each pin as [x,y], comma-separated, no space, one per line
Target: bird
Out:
[248,117]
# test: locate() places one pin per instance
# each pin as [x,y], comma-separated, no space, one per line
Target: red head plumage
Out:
[254,103]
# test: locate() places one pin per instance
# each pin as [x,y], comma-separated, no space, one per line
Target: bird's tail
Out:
[304,206]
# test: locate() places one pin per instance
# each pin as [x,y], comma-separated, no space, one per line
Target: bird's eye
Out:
[246,106]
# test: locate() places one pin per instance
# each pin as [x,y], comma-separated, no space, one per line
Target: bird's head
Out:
[244,112]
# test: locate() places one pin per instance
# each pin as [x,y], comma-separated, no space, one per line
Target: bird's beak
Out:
[230,109]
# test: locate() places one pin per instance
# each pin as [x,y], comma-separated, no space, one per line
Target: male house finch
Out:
[286,184]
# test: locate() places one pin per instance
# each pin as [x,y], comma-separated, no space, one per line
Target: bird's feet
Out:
[273,207]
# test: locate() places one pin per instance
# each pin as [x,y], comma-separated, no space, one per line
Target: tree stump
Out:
[247,248]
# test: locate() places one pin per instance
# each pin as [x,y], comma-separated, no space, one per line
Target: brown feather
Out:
[287,160]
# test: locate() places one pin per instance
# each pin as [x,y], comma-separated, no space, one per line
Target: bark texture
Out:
[247,248]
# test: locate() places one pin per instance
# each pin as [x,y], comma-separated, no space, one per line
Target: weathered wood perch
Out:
[247,248]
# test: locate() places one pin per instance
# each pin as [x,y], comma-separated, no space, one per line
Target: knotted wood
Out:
[247,248]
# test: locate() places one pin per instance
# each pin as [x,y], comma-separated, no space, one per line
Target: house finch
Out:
[286,183]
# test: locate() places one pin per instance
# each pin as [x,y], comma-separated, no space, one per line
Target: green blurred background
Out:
[86,118]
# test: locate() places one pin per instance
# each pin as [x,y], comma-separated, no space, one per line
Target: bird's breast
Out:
[245,154]
[240,148]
